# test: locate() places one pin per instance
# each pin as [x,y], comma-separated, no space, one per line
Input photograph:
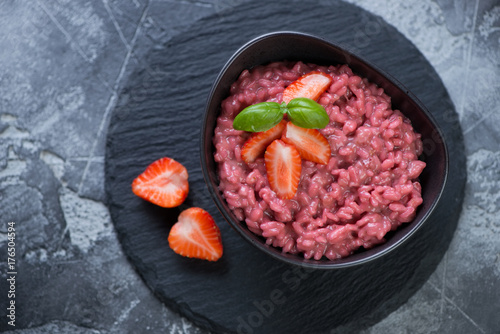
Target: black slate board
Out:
[159,114]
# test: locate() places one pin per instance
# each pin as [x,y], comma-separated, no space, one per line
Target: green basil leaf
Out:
[307,113]
[258,117]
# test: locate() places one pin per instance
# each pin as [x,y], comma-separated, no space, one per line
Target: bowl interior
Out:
[295,46]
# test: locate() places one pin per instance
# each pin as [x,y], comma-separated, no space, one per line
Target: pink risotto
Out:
[368,188]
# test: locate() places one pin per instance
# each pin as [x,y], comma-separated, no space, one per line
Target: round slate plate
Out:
[159,114]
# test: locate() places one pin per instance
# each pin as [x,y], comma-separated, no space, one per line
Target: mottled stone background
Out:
[62,65]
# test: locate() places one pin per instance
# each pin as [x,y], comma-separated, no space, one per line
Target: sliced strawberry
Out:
[310,143]
[196,235]
[164,183]
[310,85]
[283,166]
[257,143]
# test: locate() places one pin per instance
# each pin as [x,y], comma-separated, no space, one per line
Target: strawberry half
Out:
[310,85]
[196,235]
[283,166]
[164,183]
[310,143]
[257,143]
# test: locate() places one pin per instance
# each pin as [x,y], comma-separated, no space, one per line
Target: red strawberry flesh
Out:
[256,145]
[310,143]
[310,85]
[164,183]
[196,235]
[283,166]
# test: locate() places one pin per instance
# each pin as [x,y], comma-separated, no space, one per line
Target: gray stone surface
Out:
[62,64]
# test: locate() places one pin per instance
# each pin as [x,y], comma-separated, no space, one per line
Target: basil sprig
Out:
[301,111]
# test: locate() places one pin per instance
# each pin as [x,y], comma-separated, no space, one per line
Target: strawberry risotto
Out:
[368,187]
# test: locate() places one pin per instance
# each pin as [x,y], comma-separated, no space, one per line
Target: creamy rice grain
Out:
[368,188]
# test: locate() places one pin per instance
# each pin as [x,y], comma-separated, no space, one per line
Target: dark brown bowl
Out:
[294,46]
